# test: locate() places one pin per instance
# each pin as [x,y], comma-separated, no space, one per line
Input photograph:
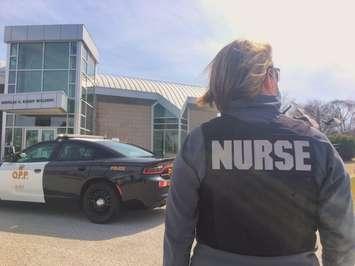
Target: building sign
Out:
[35,101]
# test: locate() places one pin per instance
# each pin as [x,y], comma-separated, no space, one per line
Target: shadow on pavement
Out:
[38,219]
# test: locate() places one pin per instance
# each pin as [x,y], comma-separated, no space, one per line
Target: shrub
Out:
[345,145]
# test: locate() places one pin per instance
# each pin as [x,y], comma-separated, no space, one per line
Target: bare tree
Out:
[314,109]
[345,112]
[334,116]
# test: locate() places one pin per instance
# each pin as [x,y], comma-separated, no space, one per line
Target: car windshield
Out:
[126,150]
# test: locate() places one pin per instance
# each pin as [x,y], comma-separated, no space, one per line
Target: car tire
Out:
[101,202]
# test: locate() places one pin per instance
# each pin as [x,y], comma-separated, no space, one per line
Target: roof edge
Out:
[154,80]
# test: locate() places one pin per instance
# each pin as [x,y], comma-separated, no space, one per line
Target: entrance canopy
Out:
[49,103]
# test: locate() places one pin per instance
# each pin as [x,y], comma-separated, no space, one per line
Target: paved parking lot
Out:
[34,234]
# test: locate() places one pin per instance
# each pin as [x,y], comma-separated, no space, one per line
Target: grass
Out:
[350,167]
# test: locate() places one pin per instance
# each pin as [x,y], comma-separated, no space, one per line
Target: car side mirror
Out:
[21,155]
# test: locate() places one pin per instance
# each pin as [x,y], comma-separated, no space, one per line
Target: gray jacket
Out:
[336,217]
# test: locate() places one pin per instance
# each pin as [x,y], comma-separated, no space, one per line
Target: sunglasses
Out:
[274,72]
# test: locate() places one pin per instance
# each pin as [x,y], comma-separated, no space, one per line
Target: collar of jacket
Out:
[261,108]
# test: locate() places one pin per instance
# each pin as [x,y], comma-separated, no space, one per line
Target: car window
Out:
[126,150]
[72,151]
[37,153]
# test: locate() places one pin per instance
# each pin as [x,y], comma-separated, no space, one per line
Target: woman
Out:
[253,186]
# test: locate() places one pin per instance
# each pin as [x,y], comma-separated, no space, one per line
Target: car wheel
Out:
[101,202]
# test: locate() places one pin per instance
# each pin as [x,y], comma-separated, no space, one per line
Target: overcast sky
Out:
[313,40]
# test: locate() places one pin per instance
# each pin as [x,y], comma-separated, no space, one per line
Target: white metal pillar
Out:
[3,126]
[77,109]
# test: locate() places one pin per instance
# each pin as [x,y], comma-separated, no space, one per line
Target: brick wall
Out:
[197,116]
[128,121]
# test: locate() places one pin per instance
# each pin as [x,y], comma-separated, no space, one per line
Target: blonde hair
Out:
[237,72]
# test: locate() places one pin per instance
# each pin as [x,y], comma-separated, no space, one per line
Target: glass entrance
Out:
[35,135]
[31,137]
[47,134]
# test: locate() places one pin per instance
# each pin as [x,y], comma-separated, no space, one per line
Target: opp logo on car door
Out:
[20,176]
[20,173]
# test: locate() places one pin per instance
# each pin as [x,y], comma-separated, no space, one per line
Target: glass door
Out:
[17,140]
[35,135]
[32,137]
[48,134]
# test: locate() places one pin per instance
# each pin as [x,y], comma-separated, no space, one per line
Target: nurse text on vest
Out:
[283,155]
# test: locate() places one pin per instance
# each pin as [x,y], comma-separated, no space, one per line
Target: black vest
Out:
[264,206]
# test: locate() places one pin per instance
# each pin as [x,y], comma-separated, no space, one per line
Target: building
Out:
[2,87]
[51,87]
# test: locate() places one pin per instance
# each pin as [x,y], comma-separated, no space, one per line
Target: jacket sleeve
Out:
[181,210]
[336,216]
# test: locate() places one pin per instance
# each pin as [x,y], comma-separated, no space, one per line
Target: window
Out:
[58,121]
[90,66]
[73,48]
[55,80]
[13,62]
[72,76]
[30,56]
[183,126]
[73,62]
[83,107]
[125,149]
[37,120]
[166,132]
[17,139]
[84,52]
[8,136]
[83,123]
[83,66]
[158,142]
[13,56]
[11,89]
[13,49]
[9,120]
[83,93]
[165,126]
[71,92]
[71,106]
[42,67]
[87,76]
[72,151]
[42,121]
[38,153]
[90,95]
[25,121]
[160,111]
[90,118]
[166,120]
[71,121]
[171,142]
[56,55]
[61,131]
[29,81]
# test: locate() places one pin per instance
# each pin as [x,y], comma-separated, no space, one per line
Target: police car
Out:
[98,173]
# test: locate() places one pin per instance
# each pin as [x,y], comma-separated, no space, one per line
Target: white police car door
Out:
[23,180]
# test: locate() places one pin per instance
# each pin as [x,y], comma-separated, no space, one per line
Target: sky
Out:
[313,40]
